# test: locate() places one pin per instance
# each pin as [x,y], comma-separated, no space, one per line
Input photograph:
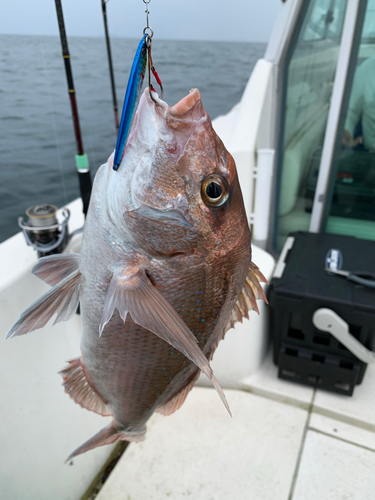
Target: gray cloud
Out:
[225,20]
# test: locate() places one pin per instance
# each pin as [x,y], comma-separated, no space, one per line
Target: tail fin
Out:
[107,435]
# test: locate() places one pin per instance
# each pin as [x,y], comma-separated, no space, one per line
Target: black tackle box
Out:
[299,287]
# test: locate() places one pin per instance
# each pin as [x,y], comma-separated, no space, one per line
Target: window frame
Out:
[283,85]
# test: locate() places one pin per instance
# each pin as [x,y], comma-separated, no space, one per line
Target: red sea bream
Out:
[164,271]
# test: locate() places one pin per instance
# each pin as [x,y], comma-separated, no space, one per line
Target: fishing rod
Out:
[82,162]
[111,74]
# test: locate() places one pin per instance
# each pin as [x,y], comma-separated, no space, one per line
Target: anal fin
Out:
[178,400]
[62,300]
[134,293]
[54,268]
[76,385]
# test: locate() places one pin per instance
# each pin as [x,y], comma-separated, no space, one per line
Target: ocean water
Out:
[37,144]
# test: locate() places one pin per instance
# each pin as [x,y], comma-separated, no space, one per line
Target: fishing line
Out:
[149,32]
[52,114]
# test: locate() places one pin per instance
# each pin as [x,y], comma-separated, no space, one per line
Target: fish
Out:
[164,271]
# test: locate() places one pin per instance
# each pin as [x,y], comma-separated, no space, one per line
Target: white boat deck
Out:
[285,442]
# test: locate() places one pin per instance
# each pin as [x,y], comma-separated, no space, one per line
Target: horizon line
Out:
[135,38]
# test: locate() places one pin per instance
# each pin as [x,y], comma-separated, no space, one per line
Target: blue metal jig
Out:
[134,88]
[132,95]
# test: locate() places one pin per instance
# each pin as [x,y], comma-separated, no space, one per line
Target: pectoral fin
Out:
[135,294]
[54,268]
[62,300]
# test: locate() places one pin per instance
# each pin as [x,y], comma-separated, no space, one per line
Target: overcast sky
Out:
[229,20]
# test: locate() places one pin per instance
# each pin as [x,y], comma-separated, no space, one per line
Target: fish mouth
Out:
[191,104]
[184,116]
[178,123]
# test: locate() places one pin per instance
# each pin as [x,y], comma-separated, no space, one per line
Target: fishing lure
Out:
[132,95]
[134,89]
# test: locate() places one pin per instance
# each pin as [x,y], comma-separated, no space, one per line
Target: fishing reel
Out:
[43,231]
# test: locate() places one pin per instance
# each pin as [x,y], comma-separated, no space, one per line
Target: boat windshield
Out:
[308,80]
[309,74]
[352,208]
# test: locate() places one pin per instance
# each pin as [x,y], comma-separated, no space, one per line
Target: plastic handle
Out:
[280,266]
[327,320]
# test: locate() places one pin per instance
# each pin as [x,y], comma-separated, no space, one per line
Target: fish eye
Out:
[215,190]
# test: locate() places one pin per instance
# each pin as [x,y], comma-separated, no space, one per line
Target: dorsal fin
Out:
[250,293]
[76,385]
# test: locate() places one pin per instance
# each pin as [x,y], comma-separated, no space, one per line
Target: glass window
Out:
[352,209]
[324,20]
[309,73]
